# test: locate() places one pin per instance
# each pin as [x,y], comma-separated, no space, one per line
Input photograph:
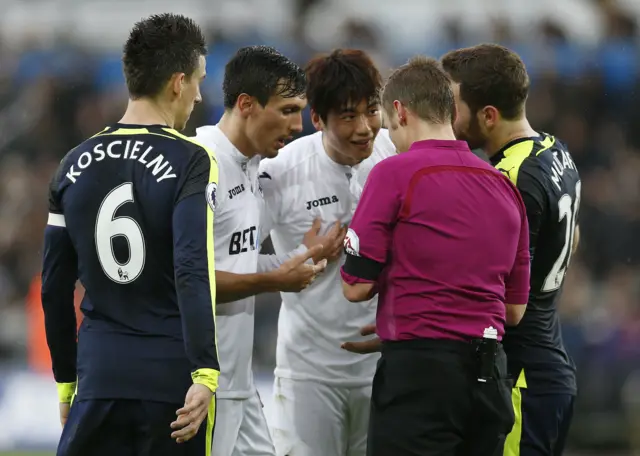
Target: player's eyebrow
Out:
[348,110]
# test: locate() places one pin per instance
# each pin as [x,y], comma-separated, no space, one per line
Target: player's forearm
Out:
[195,286]
[199,330]
[198,323]
[197,311]
[232,287]
[59,275]
[270,262]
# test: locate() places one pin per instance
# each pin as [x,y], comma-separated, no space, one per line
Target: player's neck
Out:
[424,131]
[147,112]
[232,127]
[508,131]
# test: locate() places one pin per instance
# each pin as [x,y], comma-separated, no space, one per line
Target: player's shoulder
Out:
[214,140]
[526,157]
[550,163]
[383,147]
[389,166]
[291,163]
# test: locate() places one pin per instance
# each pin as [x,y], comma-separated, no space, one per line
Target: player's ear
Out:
[245,104]
[177,82]
[316,120]
[489,116]
[401,112]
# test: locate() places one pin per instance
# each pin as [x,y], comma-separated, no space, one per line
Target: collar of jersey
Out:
[227,146]
[325,156]
[495,159]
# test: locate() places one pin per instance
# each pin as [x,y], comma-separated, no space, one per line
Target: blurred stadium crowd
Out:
[61,82]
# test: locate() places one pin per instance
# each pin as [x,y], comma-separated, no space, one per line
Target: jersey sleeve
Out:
[271,193]
[194,265]
[268,262]
[534,196]
[271,216]
[368,239]
[59,276]
[517,284]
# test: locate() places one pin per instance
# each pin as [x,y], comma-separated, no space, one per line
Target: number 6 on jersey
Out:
[108,227]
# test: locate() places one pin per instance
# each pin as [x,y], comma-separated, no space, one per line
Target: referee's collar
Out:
[498,156]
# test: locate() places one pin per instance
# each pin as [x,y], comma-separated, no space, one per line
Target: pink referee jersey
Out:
[445,238]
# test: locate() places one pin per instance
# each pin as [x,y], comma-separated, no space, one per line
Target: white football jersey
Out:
[302,183]
[238,207]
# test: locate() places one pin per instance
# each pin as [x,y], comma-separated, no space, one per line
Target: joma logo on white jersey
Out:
[322,201]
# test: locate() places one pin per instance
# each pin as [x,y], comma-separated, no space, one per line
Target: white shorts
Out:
[312,419]
[241,428]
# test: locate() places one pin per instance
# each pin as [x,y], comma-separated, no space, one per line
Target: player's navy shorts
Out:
[128,428]
[542,424]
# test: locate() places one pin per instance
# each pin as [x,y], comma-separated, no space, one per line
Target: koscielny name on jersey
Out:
[124,150]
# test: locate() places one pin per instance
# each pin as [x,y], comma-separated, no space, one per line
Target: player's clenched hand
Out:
[194,412]
[331,242]
[337,241]
[65,407]
[367,346]
[295,275]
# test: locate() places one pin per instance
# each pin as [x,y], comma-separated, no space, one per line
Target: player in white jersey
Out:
[322,392]
[263,98]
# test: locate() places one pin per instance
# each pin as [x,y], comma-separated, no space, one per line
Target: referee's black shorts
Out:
[426,400]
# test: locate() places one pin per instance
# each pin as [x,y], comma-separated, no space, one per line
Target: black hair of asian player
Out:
[157,48]
[346,76]
[261,72]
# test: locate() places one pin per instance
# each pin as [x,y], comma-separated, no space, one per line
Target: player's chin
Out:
[181,124]
[272,152]
[361,150]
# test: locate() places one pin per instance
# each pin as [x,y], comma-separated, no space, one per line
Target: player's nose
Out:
[363,126]
[296,123]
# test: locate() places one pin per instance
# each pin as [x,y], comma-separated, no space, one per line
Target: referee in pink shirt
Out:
[443,238]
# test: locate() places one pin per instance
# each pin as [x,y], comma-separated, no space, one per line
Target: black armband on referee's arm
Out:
[363,268]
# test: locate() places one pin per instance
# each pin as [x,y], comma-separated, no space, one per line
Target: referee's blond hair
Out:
[424,88]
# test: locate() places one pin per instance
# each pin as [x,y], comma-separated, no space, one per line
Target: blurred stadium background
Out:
[62,82]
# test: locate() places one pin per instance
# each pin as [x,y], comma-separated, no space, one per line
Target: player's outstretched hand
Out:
[194,412]
[295,275]
[331,242]
[367,346]
[65,408]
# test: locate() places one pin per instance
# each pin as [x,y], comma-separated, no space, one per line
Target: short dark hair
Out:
[424,88]
[489,75]
[342,77]
[261,72]
[157,48]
